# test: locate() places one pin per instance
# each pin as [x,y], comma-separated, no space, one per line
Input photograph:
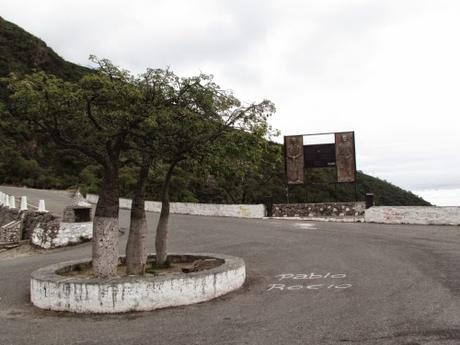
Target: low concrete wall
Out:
[11,232]
[32,219]
[320,211]
[42,228]
[413,215]
[347,219]
[220,210]
[16,225]
[10,225]
[61,234]
[49,290]
[8,215]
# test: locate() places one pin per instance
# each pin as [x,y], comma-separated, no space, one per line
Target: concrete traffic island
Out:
[60,287]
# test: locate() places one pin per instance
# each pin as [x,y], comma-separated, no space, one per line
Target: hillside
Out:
[40,164]
[324,189]
[22,52]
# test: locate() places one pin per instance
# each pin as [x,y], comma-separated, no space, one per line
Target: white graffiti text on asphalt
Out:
[304,281]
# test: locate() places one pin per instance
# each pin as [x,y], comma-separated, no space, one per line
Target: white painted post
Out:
[7,201]
[41,206]
[2,199]
[12,201]
[23,203]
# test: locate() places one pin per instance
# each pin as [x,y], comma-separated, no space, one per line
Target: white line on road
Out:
[306,226]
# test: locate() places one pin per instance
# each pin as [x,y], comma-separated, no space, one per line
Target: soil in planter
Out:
[184,267]
[86,271]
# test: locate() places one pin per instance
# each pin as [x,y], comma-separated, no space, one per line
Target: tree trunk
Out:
[161,238]
[105,226]
[136,251]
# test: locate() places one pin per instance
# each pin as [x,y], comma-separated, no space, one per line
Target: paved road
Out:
[55,201]
[386,285]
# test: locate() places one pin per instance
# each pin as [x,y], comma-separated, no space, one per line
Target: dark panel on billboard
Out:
[345,157]
[319,156]
[293,155]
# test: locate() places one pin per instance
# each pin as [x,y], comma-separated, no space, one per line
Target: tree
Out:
[154,85]
[246,169]
[198,117]
[136,249]
[93,117]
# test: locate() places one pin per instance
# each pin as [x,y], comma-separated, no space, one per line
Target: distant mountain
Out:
[22,53]
[42,165]
[388,194]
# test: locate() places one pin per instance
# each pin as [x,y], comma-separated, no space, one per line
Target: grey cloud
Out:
[218,41]
[341,36]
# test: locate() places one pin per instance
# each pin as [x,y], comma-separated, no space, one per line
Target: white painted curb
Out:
[23,203]
[49,290]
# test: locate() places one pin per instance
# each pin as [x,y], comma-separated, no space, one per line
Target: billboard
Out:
[340,154]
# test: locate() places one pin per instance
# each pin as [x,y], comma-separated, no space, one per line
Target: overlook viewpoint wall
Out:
[321,211]
[352,211]
[219,210]
[423,215]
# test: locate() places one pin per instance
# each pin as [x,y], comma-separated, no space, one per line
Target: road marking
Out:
[284,287]
[326,281]
[306,226]
[309,276]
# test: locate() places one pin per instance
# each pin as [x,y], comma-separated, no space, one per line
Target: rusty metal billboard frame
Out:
[355,182]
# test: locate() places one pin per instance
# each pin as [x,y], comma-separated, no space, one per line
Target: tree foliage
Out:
[125,123]
[94,118]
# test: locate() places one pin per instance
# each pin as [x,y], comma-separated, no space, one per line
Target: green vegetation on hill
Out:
[323,188]
[238,176]
[21,52]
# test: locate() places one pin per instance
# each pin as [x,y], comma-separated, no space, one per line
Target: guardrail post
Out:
[12,201]
[41,206]
[23,203]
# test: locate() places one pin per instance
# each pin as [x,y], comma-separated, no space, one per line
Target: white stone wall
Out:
[220,210]
[68,233]
[413,215]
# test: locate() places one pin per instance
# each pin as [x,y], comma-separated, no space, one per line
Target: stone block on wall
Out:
[320,210]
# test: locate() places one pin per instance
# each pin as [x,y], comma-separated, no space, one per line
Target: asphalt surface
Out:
[55,201]
[386,285]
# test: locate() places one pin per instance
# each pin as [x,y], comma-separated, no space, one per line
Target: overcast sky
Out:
[389,70]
